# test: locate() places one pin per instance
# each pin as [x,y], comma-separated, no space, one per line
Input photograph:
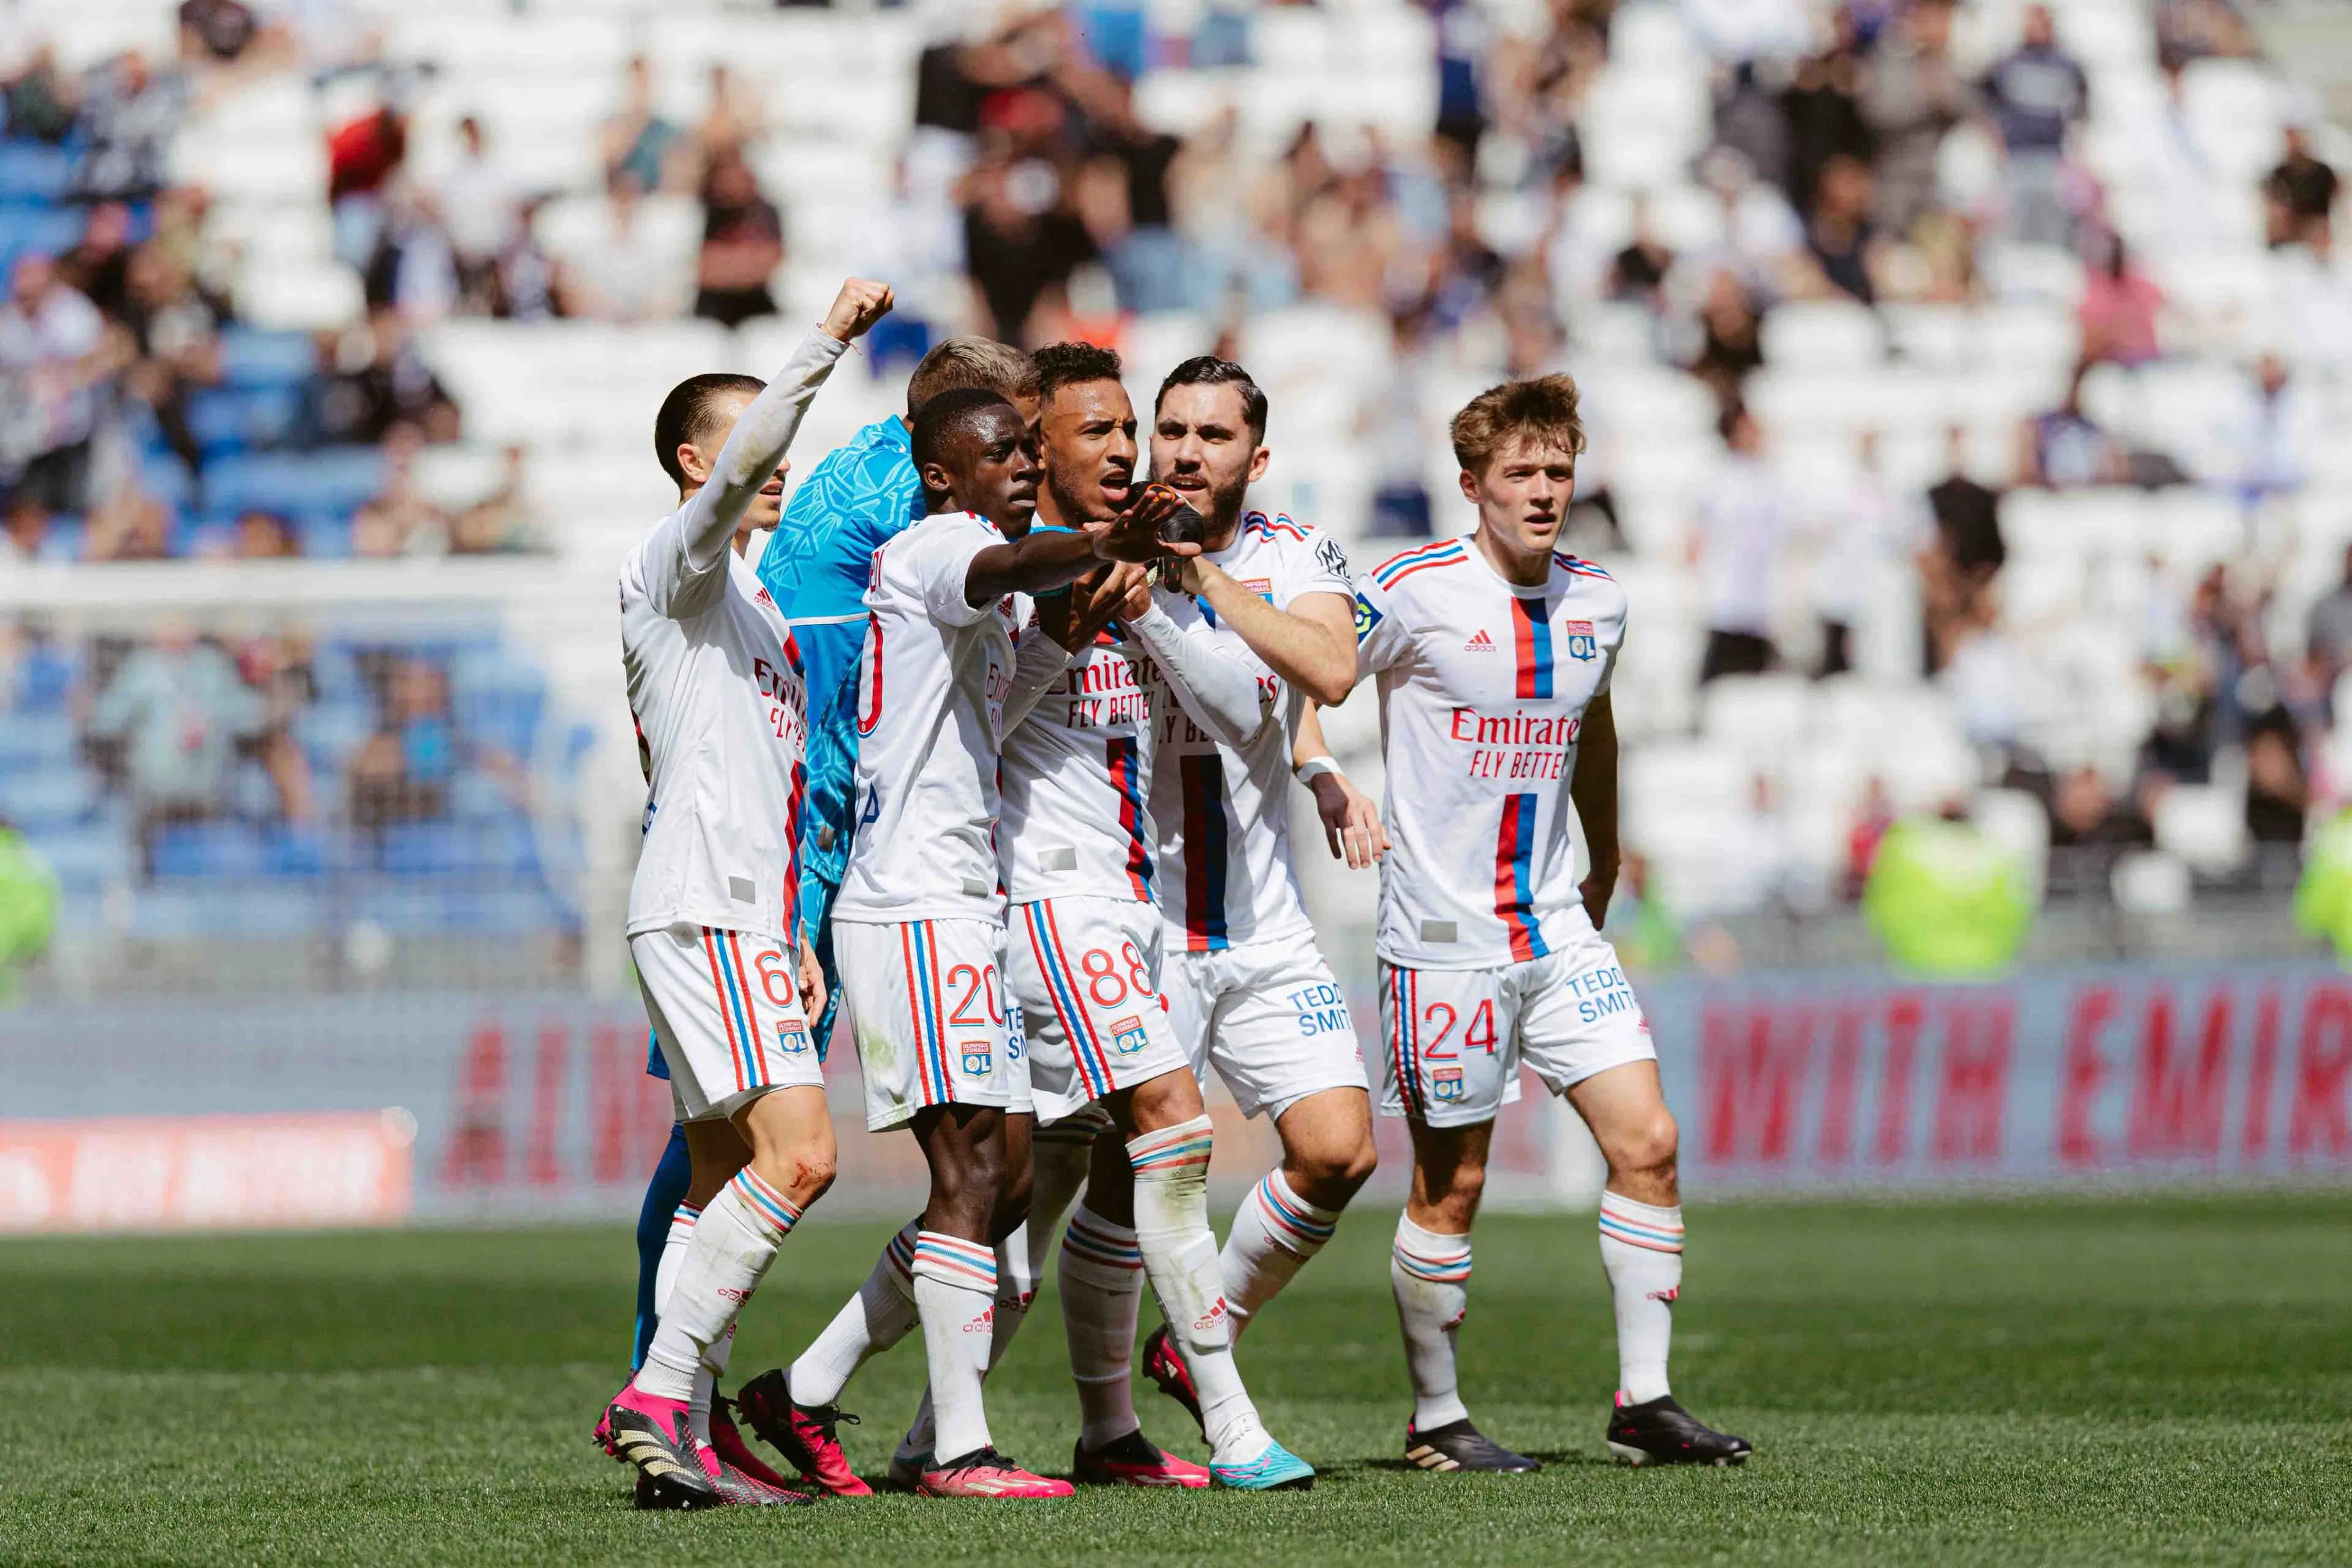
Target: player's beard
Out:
[1077,505]
[1221,506]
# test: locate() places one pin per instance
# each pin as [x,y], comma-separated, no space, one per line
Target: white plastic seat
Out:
[1821,334]
[2203,825]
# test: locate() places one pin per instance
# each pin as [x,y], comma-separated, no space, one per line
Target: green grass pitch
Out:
[2115,1381]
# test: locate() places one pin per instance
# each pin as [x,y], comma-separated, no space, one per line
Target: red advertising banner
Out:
[193,1173]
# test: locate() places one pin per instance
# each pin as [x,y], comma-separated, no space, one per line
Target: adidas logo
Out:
[1211,1318]
[984,1324]
[1670,1295]
[1482,643]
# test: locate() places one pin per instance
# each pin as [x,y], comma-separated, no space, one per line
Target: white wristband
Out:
[1314,768]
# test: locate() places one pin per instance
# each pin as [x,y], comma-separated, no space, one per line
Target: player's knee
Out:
[1649,1147]
[1331,1173]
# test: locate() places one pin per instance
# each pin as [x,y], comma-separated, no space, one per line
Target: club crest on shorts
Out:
[979,1058]
[1445,1083]
[1580,641]
[792,1038]
[1127,1036]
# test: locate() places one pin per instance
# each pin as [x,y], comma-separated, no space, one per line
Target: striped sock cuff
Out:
[1427,1255]
[1098,1240]
[901,1250]
[1078,1129]
[952,1261]
[769,1206]
[683,1220]
[1171,1147]
[1296,1225]
[1641,1224]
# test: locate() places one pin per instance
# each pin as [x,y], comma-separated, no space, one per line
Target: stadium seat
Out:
[304,296]
[1821,334]
[33,171]
[255,359]
[2203,826]
[331,478]
[207,849]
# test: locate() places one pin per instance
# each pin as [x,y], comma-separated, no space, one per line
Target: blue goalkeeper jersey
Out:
[860,496]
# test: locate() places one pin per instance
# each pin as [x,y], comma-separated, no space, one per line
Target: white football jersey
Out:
[1483,687]
[1223,812]
[722,711]
[932,681]
[1076,818]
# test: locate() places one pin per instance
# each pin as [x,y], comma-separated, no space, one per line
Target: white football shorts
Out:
[1454,1038]
[726,1008]
[1270,1017]
[1086,974]
[930,1011]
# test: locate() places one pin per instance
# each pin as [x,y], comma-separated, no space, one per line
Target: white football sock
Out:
[1642,1249]
[1180,1255]
[1058,1168]
[1429,1274]
[1273,1235]
[880,1315]
[955,1297]
[734,1242]
[673,1257]
[1102,1285]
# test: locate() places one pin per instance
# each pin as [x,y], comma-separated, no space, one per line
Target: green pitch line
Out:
[2000,1384]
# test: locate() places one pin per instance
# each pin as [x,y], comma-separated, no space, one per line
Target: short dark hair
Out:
[957,365]
[952,414]
[1208,370]
[1072,365]
[690,414]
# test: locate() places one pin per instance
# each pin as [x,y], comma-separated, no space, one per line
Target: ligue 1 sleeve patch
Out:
[1580,641]
[1368,617]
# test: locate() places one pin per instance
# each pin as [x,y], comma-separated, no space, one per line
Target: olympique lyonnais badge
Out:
[979,1059]
[1126,1034]
[1580,641]
[791,1038]
[1262,586]
[1445,1083]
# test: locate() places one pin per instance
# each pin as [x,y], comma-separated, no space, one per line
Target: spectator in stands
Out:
[2036,95]
[1742,523]
[1847,251]
[1964,554]
[523,276]
[2299,197]
[364,153]
[402,772]
[1871,818]
[98,265]
[1761,862]
[1022,240]
[504,521]
[2065,450]
[2119,306]
[1751,120]
[398,519]
[40,102]
[481,209]
[2091,826]
[264,536]
[1637,274]
[628,275]
[2278,791]
[175,327]
[129,114]
[2202,29]
[733,119]
[129,524]
[1822,105]
[742,244]
[1763,240]
[1912,98]
[395,386]
[414,267]
[1868,532]
[2327,632]
[2276,434]
[216,31]
[1730,342]
[178,710]
[639,144]
[26,532]
[52,360]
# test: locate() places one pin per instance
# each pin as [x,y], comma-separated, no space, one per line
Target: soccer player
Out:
[919,922]
[715,691]
[1247,988]
[1078,843]
[1494,653]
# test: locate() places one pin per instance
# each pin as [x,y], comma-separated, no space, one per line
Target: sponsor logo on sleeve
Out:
[1367,617]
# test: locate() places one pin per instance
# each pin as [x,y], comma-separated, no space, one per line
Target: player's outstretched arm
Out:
[1351,819]
[1593,788]
[765,431]
[1219,692]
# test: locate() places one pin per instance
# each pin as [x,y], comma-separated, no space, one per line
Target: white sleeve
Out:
[1219,691]
[940,562]
[683,563]
[1037,665]
[1317,565]
[1380,641]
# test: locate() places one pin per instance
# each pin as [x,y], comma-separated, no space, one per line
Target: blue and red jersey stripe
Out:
[915,944]
[1531,646]
[1077,1025]
[1206,832]
[1397,568]
[1127,777]
[1405,1039]
[1514,848]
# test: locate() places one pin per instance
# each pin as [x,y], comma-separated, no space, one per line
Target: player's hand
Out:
[1351,821]
[1134,534]
[860,304]
[1094,601]
[1596,889]
[811,984]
